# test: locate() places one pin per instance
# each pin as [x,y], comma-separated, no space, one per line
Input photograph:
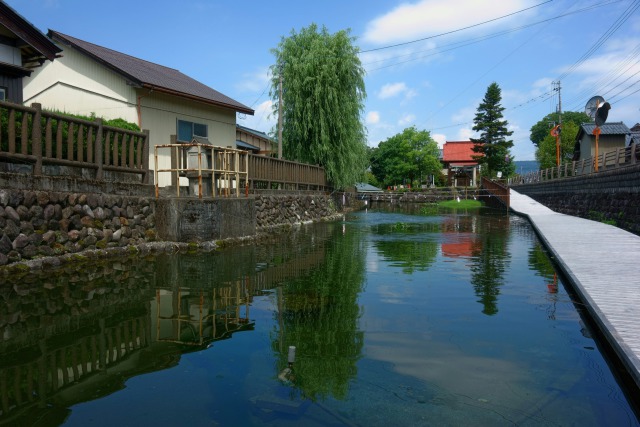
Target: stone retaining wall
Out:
[278,210]
[41,223]
[609,195]
[51,221]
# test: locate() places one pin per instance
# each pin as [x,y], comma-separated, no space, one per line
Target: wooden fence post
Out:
[36,138]
[98,150]
[145,157]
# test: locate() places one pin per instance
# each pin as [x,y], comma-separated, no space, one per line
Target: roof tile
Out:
[149,74]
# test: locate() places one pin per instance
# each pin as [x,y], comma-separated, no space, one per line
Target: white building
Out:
[94,79]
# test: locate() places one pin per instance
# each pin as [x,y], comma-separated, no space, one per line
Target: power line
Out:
[461,44]
[632,93]
[455,31]
[612,29]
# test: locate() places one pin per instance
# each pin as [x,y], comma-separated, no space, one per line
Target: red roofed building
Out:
[459,166]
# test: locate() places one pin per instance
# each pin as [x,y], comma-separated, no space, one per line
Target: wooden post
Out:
[24,138]
[70,140]
[98,149]
[596,132]
[12,131]
[156,171]
[36,138]
[174,162]
[145,156]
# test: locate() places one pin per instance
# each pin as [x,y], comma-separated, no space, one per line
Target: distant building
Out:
[22,49]
[612,136]
[634,137]
[459,164]
[255,141]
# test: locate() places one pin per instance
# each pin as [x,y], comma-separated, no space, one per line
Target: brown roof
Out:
[149,75]
[37,47]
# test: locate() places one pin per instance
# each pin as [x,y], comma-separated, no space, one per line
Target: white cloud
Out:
[465,133]
[256,81]
[440,138]
[399,57]
[373,117]
[428,17]
[406,119]
[392,89]
[464,115]
[262,119]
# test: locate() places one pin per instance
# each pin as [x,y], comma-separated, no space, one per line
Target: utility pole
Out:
[280,116]
[559,137]
[559,105]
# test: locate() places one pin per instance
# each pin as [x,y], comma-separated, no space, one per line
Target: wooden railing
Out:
[496,191]
[39,138]
[270,173]
[216,171]
[621,157]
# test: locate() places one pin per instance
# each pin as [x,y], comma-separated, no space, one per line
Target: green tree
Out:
[540,130]
[409,156]
[493,147]
[323,97]
[546,151]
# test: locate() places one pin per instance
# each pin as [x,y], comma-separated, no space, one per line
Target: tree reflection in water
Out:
[489,262]
[318,314]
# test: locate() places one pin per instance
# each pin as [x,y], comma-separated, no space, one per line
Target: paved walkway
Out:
[603,263]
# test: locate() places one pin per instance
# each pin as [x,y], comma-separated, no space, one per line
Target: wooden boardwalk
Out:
[603,264]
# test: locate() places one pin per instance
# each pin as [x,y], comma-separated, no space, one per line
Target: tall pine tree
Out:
[492,148]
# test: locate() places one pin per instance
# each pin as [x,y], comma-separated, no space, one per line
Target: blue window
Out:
[187,130]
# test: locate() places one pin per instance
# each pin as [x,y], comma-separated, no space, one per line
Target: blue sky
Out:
[449,52]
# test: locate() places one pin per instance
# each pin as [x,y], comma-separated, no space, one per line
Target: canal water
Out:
[389,317]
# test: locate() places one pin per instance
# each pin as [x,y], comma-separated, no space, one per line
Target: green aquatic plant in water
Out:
[462,204]
[447,205]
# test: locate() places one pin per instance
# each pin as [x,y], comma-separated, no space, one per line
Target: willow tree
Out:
[323,97]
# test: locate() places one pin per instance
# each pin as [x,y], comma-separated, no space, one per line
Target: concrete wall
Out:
[201,220]
[611,195]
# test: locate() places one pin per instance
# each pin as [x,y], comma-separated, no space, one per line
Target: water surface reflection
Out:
[404,319]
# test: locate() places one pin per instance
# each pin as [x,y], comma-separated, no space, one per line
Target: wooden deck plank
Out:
[603,264]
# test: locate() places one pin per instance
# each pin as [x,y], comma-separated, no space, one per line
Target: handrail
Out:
[618,158]
[267,172]
[231,169]
[225,167]
[39,137]
[497,190]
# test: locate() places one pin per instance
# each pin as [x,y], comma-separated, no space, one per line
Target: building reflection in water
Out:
[79,334]
[196,317]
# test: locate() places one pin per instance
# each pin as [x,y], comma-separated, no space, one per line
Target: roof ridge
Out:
[113,50]
[151,74]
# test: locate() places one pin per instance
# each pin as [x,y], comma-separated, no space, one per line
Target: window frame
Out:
[194,126]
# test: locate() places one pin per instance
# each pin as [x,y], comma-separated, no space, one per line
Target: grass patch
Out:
[462,204]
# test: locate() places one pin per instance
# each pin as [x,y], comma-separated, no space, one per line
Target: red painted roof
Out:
[458,151]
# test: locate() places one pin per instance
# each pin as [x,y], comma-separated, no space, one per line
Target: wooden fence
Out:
[266,173]
[216,171]
[39,138]
[621,157]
